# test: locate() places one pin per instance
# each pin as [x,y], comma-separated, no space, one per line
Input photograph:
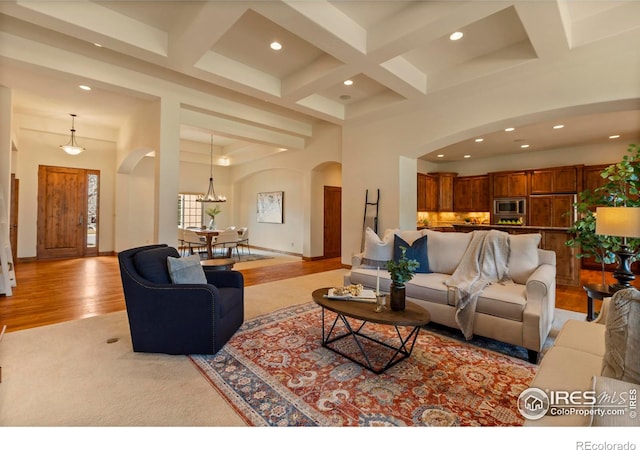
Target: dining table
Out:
[209,235]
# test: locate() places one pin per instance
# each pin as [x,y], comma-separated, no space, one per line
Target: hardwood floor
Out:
[49,292]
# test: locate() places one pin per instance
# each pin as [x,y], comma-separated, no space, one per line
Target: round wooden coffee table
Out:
[414,316]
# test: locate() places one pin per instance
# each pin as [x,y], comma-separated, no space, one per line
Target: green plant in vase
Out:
[400,271]
[212,213]
[620,189]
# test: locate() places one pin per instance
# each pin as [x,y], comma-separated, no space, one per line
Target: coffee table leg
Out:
[402,349]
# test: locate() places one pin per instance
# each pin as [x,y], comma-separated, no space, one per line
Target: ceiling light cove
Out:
[275,45]
[456,36]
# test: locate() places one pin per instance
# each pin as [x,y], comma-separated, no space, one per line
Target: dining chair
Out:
[227,240]
[194,241]
[243,238]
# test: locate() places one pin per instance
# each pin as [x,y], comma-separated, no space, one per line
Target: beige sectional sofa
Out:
[575,364]
[519,312]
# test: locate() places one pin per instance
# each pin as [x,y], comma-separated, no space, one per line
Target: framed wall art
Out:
[271,207]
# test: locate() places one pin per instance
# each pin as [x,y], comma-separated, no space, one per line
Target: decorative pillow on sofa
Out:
[622,337]
[416,250]
[523,256]
[409,236]
[377,251]
[186,270]
[445,250]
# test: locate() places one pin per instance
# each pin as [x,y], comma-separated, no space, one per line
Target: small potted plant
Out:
[213,212]
[400,271]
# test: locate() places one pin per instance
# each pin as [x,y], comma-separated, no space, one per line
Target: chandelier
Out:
[211,195]
[72,146]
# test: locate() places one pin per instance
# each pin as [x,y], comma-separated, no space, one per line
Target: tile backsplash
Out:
[436,219]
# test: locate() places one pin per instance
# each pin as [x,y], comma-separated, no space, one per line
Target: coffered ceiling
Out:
[215,57]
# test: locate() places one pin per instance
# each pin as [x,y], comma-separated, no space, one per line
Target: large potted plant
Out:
[400,271]
[620,189]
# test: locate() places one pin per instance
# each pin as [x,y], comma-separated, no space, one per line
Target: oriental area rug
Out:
[275,372]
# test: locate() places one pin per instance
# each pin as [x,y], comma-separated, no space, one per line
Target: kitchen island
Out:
[553,238]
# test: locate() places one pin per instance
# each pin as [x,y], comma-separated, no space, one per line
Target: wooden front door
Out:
[332,221]
[62,210]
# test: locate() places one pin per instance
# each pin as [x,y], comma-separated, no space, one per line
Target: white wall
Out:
[288,236]
[295,168]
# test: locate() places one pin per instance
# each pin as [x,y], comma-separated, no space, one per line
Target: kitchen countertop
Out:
[510,227]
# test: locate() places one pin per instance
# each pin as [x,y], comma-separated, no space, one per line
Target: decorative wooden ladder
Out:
[7,268]
[367,204]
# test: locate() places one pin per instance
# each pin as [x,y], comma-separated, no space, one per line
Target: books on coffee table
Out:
[367,295]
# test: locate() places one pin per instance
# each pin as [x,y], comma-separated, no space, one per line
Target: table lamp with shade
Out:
[621,222]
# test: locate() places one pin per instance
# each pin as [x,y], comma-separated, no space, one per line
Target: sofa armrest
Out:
[356,260]
[540,307]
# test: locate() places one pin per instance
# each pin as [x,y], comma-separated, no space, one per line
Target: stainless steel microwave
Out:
[516,206]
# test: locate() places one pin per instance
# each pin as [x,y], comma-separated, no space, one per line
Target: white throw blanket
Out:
[484,262]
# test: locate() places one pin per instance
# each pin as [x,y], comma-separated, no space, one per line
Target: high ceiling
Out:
[215,57]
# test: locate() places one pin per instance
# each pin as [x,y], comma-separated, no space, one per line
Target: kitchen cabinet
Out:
[471,194]
[510,184]
[591,178]
[427,192]
[442,184]
[558,180]
[551,210]
[422,192]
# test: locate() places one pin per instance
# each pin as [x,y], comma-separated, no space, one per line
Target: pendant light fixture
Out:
[72,146]
[211,196]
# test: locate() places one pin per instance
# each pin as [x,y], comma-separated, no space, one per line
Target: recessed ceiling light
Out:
[479,139]
[440,156]
[557,127]
[614,136]
[84,87]
[524,146]
[467,156]
[97,44]
[456,35]
[509,129]
[348,82]
[275,45]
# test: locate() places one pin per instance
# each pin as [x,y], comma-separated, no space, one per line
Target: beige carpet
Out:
[68,374]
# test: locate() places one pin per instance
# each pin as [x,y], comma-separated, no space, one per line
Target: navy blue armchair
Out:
[178,319]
